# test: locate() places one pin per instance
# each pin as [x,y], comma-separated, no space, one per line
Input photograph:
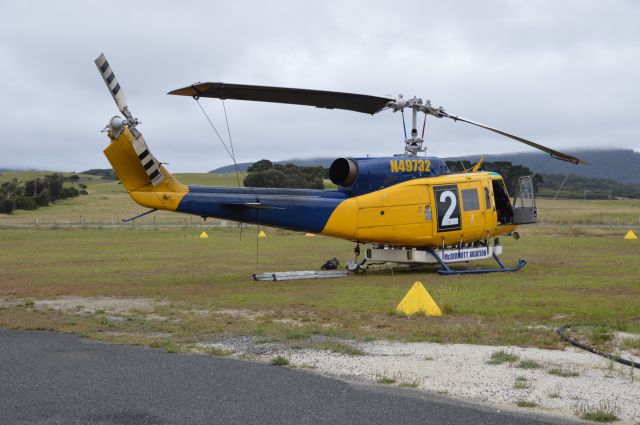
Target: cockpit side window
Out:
[502,202]
[487,198]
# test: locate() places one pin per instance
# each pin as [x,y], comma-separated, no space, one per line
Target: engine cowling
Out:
[363,175]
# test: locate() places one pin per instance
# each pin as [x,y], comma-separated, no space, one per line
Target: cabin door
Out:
[472,210]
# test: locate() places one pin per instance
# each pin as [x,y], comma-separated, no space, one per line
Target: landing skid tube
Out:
[446,270]
[443,256]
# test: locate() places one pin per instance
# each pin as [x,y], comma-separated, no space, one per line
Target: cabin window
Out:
[487,198]
[470,200]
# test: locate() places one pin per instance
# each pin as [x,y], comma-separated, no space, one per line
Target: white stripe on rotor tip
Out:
[113,86]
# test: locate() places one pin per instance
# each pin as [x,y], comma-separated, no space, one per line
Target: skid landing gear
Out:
[446,270]
[354,265]
[415,257]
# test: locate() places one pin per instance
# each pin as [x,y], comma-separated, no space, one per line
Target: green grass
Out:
[600,335]
[382,379]
[565,280]
[218,352]
[279,361]
[631,343]
[554,393]
[409,384]
[603,412]
[521,383]
[563,371]
[499,357]
[526,403]
[528,364]
[564,211]
[169,346]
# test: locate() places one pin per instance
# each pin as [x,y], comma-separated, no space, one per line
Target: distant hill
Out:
[578,187]
[105,173]
[621,165]
[242,167]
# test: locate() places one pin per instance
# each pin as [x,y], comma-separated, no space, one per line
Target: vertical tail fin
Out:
[142,175]
[127,164]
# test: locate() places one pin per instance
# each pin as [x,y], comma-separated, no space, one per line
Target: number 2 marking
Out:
[446,219]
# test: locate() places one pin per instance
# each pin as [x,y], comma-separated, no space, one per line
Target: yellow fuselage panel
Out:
[407,213]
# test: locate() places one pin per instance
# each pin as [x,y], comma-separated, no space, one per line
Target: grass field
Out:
[106,204]
[200,289]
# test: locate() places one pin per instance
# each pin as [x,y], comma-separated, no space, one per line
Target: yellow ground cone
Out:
[203,235]
[309,235]
[630,235]
[262,234]
[418,301]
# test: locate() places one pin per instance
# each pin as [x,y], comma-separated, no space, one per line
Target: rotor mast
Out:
[413,144]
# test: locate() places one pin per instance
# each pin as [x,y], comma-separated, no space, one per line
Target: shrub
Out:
[603,412]
[279,361]
[7,206]
[502,356]
[24,203]
[528,364]
[521,383]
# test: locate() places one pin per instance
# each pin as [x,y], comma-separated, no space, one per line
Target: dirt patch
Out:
[152,335]
[106,304]
[242,313]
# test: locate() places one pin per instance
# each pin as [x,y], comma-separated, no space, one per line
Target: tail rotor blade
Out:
[150,164]
[112,83]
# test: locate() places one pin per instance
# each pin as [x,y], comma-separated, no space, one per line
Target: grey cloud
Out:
[561,73]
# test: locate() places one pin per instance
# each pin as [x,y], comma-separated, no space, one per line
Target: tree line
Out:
[39,192]
[510,173]
[266,174]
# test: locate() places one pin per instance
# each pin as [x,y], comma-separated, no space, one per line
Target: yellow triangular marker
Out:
[262,234]
[203,235]
[630,235]
[309,235]
[418,301]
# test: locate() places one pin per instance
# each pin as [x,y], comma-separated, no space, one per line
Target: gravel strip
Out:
[461,371]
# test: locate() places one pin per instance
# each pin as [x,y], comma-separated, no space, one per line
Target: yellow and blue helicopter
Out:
[410,208]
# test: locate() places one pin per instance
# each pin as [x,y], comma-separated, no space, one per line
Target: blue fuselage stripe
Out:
[296,209]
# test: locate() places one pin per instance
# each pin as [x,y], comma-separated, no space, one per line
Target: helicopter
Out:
[409,208]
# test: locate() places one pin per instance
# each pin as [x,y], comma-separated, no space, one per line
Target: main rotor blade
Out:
[112,84]
[318,98]
[553,153]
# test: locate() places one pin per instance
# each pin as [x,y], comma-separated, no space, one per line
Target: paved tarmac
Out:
[50,378]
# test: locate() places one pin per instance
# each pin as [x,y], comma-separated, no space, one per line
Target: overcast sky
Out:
[561,73]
